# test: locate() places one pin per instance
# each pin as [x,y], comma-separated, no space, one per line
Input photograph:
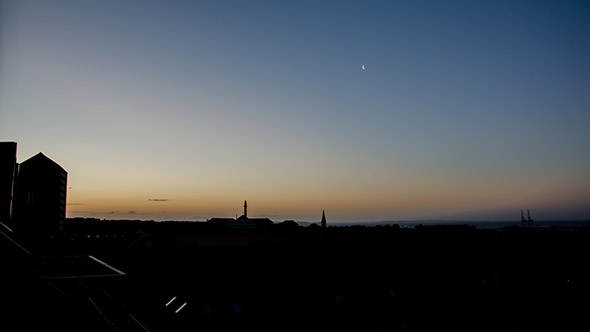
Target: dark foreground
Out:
[188,277]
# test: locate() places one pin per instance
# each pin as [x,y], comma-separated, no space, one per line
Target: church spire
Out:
[245,209]
[323,219]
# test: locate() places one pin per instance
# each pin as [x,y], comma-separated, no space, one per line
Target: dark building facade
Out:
[8,167]
[40,200]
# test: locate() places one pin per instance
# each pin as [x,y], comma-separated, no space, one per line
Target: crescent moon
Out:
[363,67]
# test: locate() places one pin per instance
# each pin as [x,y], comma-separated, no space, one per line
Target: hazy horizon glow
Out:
[184,109]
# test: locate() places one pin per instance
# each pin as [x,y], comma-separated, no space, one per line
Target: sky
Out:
[181,110]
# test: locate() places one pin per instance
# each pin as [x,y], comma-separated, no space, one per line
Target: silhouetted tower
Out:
[522,219]
[245,209]
[323,219]
[529,220]
[40,195]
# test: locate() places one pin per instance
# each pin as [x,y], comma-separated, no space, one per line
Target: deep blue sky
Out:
[466,109]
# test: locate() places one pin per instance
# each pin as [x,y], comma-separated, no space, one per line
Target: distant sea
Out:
[560,224]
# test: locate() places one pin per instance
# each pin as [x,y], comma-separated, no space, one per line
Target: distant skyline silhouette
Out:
[466,110]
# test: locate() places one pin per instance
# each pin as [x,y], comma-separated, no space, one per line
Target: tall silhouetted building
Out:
[323,219]
[8,168]
[40,200]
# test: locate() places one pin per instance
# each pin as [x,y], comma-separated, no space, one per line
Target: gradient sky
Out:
[166,110]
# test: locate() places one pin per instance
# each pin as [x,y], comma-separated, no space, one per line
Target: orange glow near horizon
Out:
[342,202]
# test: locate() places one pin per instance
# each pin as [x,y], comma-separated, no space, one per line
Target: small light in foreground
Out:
[8,228]
[182,306]
[174,298]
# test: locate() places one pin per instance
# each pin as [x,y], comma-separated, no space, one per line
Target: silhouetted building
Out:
[40,200]
[8,167]
[242,222]
[323,219]
[288,225]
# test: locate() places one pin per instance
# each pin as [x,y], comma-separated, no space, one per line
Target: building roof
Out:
[220,219]
[246,219]
[41,159]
